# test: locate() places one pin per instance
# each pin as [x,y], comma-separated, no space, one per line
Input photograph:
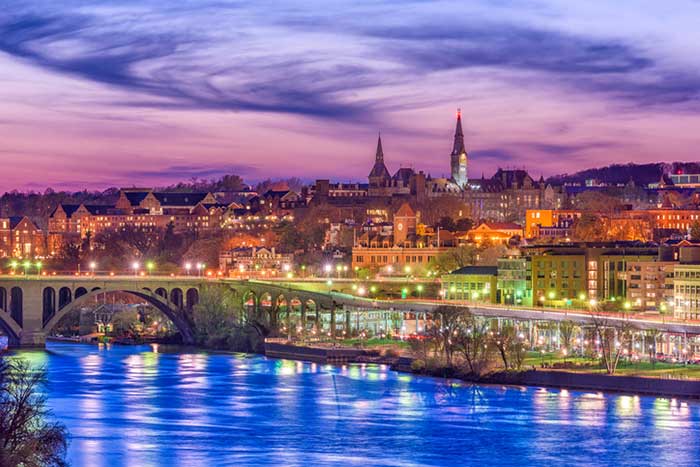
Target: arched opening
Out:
[16,304]
[160,291]
[132,314]
[192,298]
[3,299]
[176,297]
[311,319]
[64,297]
[266,309]
[250,302]
[146,289]
[49,304]
[80,291]
[295,316]
[282,308]
[94,289]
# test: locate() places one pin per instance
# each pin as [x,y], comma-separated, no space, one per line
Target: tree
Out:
[216,316]
[446,223]
[455,258]
[566,331]
[27,439]
[510,347]
[590,228]
[471,341]
[695,232]
[448,321]
[612,340]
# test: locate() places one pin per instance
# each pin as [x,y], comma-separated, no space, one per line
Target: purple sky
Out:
[148,92]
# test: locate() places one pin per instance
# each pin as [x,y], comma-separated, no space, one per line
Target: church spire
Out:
[458,158]
[379,157]
[458,146]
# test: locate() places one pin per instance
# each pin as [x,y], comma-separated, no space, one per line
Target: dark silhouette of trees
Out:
[27,438]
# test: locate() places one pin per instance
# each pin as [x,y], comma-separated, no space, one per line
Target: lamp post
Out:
[13,266]
[188,266]
[92,266]
[135,266]
[199,266]
[149,267]
[27,265]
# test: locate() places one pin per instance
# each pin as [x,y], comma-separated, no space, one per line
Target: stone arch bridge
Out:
[31,306]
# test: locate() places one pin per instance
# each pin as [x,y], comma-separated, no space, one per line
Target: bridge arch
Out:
[17,304]
[48,296]
[176,297]
[168,308]
[160,291]
[79,292]
[191,297]
[65,296]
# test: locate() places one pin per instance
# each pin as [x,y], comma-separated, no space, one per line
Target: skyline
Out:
[157,94]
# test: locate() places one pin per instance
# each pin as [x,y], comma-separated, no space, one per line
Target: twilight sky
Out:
[98,93]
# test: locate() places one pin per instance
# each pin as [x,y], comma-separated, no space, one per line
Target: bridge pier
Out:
[30,339]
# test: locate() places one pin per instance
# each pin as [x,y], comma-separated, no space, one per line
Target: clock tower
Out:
[458,158]
[405,222]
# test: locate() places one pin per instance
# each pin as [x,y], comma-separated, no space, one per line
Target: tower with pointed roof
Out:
[379,176]
[458,158]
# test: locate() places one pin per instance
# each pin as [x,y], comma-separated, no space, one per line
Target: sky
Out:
[100,93]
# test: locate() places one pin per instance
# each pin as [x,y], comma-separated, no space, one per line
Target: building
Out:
[686,284]
[409,248]
[551,224]
[458,157]
[138,209]
[494,232]
[650,285]
[515,280]
[474,283]
[21,238]
[254,262]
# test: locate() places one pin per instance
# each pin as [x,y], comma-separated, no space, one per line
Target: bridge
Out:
[32,306]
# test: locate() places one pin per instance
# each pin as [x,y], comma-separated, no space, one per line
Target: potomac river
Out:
[145,406]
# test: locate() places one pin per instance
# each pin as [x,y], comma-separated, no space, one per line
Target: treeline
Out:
[642,174]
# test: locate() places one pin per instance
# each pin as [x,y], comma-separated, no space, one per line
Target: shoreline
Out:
[559,379]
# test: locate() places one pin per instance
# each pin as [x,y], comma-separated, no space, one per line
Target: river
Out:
[142,406]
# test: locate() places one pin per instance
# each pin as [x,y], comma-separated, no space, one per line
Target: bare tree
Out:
[613,338]
[449,320]
[26,437]
[510,347]
[472,343]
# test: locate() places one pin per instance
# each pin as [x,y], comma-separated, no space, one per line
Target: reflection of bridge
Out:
[30,307]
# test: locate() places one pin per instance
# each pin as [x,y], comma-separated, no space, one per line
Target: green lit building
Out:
[515,280]
[473,283]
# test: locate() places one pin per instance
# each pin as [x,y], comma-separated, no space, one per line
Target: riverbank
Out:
[663,387]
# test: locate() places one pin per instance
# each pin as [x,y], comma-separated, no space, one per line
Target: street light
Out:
[188,266]
[136,266]
[27,265]
[199,267]
[149,266]
[328,268]
[38,268]
[92,266]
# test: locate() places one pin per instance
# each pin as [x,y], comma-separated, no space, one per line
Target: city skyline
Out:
[145,93]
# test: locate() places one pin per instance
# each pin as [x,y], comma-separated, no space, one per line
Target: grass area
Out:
[625,368]
[374,342]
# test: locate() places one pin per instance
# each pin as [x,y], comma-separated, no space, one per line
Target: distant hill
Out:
[642,174]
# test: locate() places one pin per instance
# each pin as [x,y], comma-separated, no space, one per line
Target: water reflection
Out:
[149,406]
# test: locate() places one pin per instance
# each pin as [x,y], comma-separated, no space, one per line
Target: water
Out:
[132,406]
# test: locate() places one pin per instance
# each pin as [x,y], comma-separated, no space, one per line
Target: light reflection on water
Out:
[134,406]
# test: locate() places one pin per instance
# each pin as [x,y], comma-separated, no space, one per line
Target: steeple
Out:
[458,158]
[379,157]
[458,146]
[379,176]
